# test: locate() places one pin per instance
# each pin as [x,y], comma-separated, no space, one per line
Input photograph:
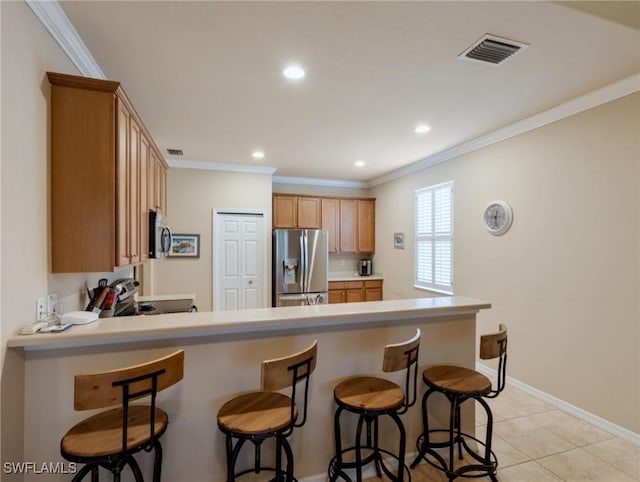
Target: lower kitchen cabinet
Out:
[373,290]
[353,291]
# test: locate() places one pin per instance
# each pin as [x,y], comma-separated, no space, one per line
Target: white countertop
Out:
[352,276]
[107,331]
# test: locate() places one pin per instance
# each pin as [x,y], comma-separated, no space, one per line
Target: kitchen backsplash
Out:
[344,262]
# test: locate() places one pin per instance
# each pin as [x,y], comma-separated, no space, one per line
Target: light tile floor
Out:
[536,442]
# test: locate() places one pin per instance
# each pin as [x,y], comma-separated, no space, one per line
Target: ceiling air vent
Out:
[175,152]
[493,50]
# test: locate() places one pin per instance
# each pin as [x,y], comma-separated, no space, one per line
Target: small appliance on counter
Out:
[116,299]
[365,267]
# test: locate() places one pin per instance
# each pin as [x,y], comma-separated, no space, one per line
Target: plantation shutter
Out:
[434,238]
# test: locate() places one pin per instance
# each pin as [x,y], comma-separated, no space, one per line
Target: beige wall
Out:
[28,51]
[565,278]
[192,195]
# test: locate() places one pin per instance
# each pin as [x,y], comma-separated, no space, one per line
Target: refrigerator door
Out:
[316,261]
[288,261]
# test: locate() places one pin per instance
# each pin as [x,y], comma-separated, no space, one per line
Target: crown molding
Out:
[624,87]
[56,22]
[220,166]
[312,181]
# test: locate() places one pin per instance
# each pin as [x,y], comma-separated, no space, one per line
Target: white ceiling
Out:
[206,76]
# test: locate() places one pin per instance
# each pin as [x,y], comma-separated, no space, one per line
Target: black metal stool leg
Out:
[458,438]
[401,449]
[290,461]
[453,435]
[422,447]
[376,444]
[337,466]
[488,437]
[157,461]
[358,449]
[135,468]
[278,459]
[232,456]
[84,471]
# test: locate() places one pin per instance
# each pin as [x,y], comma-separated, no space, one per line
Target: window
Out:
[434,238]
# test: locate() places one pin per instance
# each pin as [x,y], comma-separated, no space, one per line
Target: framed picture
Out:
[398,240]
[185,246]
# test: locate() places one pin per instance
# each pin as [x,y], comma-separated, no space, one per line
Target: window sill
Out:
[434,290]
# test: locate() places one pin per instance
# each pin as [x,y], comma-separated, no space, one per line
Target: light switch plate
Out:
[41,309]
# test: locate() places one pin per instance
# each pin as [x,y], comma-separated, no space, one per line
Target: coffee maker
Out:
[365,267]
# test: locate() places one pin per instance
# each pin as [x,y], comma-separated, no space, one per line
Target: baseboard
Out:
[577,412]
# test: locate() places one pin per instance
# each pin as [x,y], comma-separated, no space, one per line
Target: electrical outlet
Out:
[52,301]
[41,308]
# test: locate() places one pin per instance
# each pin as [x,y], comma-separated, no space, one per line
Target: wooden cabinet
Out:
[331,222]
[157,183]
[292,211]
[100,166]
[373,290]
[353,291]
[356,226]
[348,226]
[144,204]
[366,225]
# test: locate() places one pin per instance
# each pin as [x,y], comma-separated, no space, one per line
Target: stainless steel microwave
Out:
[159,235]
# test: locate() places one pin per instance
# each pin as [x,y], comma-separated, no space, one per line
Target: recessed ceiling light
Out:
[421,129]
[359,163]
[258,154]
[293,72]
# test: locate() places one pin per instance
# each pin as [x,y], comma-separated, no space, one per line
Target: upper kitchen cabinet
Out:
[292,211]
[350,222]
[101,187]
[157,182]
[366,225]
[357,226]
[331,222]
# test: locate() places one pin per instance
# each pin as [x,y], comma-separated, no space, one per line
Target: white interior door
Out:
[238,263]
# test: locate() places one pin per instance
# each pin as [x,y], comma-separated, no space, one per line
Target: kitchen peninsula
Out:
[223,352]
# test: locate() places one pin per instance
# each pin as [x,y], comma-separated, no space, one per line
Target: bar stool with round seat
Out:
[369,398]
[110,439]
[259,415]
[460,384]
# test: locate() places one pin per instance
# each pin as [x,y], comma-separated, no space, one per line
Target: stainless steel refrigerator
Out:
[300,267]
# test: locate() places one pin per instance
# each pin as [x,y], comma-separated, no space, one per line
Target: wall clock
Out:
[498,217]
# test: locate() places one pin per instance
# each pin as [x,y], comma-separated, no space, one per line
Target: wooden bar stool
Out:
[110,439]
[459,385]
[257,416]
[369,398]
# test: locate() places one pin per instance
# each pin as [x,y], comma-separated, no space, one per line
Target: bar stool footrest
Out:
[252,470]
[375,456]
[483,468]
